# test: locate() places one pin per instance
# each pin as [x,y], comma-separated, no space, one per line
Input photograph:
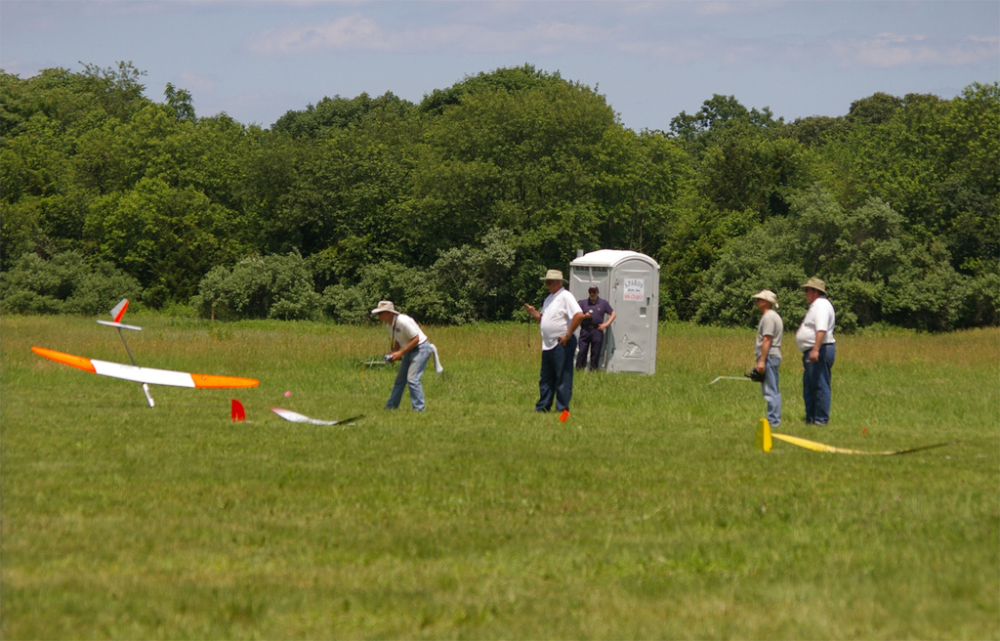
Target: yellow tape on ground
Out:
[822,447]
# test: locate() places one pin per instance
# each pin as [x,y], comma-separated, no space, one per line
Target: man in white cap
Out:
[768,352]
[815,340]
[559,318]
[411,348]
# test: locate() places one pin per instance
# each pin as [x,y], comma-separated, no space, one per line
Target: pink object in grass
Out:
[288,393]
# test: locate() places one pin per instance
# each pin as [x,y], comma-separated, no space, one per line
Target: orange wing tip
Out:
[78,362]
[207,381]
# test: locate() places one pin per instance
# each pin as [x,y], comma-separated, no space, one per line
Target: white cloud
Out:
[23,69]
[354,32]
[196,83]
[360,33]
[887,50]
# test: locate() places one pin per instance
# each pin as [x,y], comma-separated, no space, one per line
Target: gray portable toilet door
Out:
[632,334]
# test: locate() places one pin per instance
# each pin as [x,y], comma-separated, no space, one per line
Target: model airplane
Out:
[295,417]
[823,447]
[145,375]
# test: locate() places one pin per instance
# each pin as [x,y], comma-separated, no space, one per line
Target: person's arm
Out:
[573,324]
[765,347]
[398,354]
[814,352]
[603,326]
[533,312]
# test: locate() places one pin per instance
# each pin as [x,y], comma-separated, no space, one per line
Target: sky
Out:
[257,59]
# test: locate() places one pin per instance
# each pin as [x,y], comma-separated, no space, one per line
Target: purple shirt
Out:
[598,309]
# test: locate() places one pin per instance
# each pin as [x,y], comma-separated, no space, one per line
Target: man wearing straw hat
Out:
[768,352]
[559,318]
[815,340]
[412,349]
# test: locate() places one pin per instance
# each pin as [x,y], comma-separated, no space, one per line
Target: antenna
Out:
[116,313]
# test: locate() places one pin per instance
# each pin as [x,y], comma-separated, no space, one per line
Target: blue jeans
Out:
[816,384]
[771,392]
[411,369]
[556,378]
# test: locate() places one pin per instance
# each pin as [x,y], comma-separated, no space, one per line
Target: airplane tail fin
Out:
[119,310]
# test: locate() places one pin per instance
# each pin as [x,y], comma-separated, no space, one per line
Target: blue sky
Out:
[255,60]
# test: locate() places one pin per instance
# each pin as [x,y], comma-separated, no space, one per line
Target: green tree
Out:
[332,114]
[180,102]
[875,271]
[166,237]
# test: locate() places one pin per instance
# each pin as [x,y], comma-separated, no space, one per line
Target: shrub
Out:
[465,284]
[413,291]
[66,283]
[875,270]
[272,286]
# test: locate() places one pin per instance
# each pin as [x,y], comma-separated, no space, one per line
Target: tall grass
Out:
[648,514]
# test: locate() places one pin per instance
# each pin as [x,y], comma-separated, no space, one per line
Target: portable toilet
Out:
[630,281]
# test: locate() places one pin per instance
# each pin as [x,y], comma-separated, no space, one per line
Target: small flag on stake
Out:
[239,414]
[764,436]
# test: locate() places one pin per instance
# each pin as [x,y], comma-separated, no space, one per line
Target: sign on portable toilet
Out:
[630,281]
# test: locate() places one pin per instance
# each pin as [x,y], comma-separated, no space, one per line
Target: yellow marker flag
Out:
[764,435]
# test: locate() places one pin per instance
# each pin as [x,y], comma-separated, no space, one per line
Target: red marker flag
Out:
[239,414]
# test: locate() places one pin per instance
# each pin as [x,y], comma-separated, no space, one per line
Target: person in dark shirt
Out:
[595,309]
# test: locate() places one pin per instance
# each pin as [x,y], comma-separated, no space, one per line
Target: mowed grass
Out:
[649,514]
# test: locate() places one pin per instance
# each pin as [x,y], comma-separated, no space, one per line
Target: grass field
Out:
[649,514]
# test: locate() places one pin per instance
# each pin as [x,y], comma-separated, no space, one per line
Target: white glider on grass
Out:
[295,417]
[145,375]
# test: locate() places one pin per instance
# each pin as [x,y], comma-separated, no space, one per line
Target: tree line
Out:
[453,206]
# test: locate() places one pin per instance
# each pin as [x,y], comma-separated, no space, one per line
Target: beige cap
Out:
[554,274]
[769,296]
[385,306]
[814,283]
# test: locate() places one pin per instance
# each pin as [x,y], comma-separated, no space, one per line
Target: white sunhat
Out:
[554,274]
[769,296]
[815,283]
[384,306]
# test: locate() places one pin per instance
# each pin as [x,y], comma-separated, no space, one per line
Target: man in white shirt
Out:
[559,318]
[411,348]
[814,339]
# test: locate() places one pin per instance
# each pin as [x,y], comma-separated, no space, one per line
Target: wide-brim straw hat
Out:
[814,283]
[769,296]
[554,274]
[384,306]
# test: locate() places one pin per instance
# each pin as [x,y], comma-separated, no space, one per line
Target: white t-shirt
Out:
[558,311]
[404,328]
[819,318]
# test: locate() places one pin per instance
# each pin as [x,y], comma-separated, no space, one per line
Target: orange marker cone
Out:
[239,414]
[564,416]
